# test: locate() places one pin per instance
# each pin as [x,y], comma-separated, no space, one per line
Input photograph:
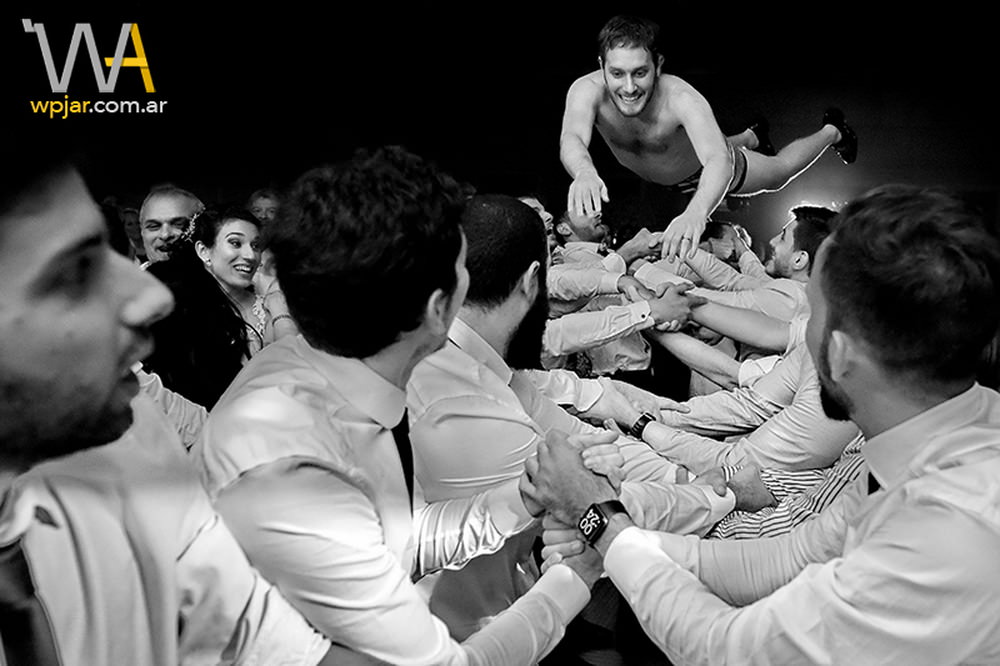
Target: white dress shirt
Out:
[300,457]
[781,411]
[474,422]
[613,340]
[907,575]
[781,298]
[134,566]
[571,286]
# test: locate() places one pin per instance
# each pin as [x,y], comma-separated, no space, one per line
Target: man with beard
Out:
[110,551]
[308,454]
[663,130]
[476,414]
[901,568]
[781,291]
[625,355]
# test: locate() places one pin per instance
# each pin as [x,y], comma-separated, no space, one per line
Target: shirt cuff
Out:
[720,506]
[506,508]
[561,584]
[609,282]
[589,393]
[642,314]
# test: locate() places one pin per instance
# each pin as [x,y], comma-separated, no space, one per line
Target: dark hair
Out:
[913,272]
[359,247]
[505,235]
[201,346]
[715,229]
[209,222]
[628,32]
[812,225]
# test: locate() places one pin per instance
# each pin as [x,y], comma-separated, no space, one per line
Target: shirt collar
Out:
[361,386]
[589,246]
[903,450]
[466,339]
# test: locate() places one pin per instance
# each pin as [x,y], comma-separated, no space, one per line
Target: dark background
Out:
[257,94]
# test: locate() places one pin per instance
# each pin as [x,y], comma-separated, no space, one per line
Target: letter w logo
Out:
[83,32]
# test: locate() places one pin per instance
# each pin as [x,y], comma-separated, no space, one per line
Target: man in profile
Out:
[110,551]
[901,568]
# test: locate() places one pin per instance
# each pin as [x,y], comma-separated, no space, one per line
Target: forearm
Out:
[716,274]
[700,357]
[716,174]
[723,413]
[677,508]
[451,532]
[747,326]
[695,452]
[574,155]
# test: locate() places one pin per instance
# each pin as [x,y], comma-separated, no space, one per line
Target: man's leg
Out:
[769,173]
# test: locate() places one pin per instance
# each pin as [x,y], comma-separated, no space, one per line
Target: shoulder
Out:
[589,87]
[448,373]
[678,94]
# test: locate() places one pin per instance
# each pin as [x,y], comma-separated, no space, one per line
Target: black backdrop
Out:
[255,96]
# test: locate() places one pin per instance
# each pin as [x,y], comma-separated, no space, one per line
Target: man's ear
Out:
[600,62]
[842,354]
[437,310]
[659,63]
[529,281]
[800,260]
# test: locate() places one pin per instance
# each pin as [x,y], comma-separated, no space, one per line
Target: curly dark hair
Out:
[360,246]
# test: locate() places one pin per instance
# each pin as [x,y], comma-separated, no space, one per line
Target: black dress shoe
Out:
[761,128]
[847,147]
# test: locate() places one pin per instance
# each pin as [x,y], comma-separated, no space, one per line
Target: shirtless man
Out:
[662,129]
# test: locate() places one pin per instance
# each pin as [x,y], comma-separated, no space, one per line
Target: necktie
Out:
[401,433]
[26,635]
[873,483]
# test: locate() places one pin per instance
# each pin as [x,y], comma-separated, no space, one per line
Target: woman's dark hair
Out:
[201,345]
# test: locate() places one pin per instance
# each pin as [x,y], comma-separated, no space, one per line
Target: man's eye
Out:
[78,275]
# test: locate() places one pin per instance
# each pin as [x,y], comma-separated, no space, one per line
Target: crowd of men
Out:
[465,455]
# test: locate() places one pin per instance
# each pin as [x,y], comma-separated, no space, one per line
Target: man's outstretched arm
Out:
[587,190]
[709,143]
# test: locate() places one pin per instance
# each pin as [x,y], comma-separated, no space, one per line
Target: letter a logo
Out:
[83,32]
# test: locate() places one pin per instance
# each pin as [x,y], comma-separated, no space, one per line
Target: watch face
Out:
[592,524]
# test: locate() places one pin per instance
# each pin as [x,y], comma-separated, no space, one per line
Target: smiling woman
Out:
[220,320]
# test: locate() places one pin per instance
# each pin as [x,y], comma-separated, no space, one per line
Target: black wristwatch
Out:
[640,424]
[596,518]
